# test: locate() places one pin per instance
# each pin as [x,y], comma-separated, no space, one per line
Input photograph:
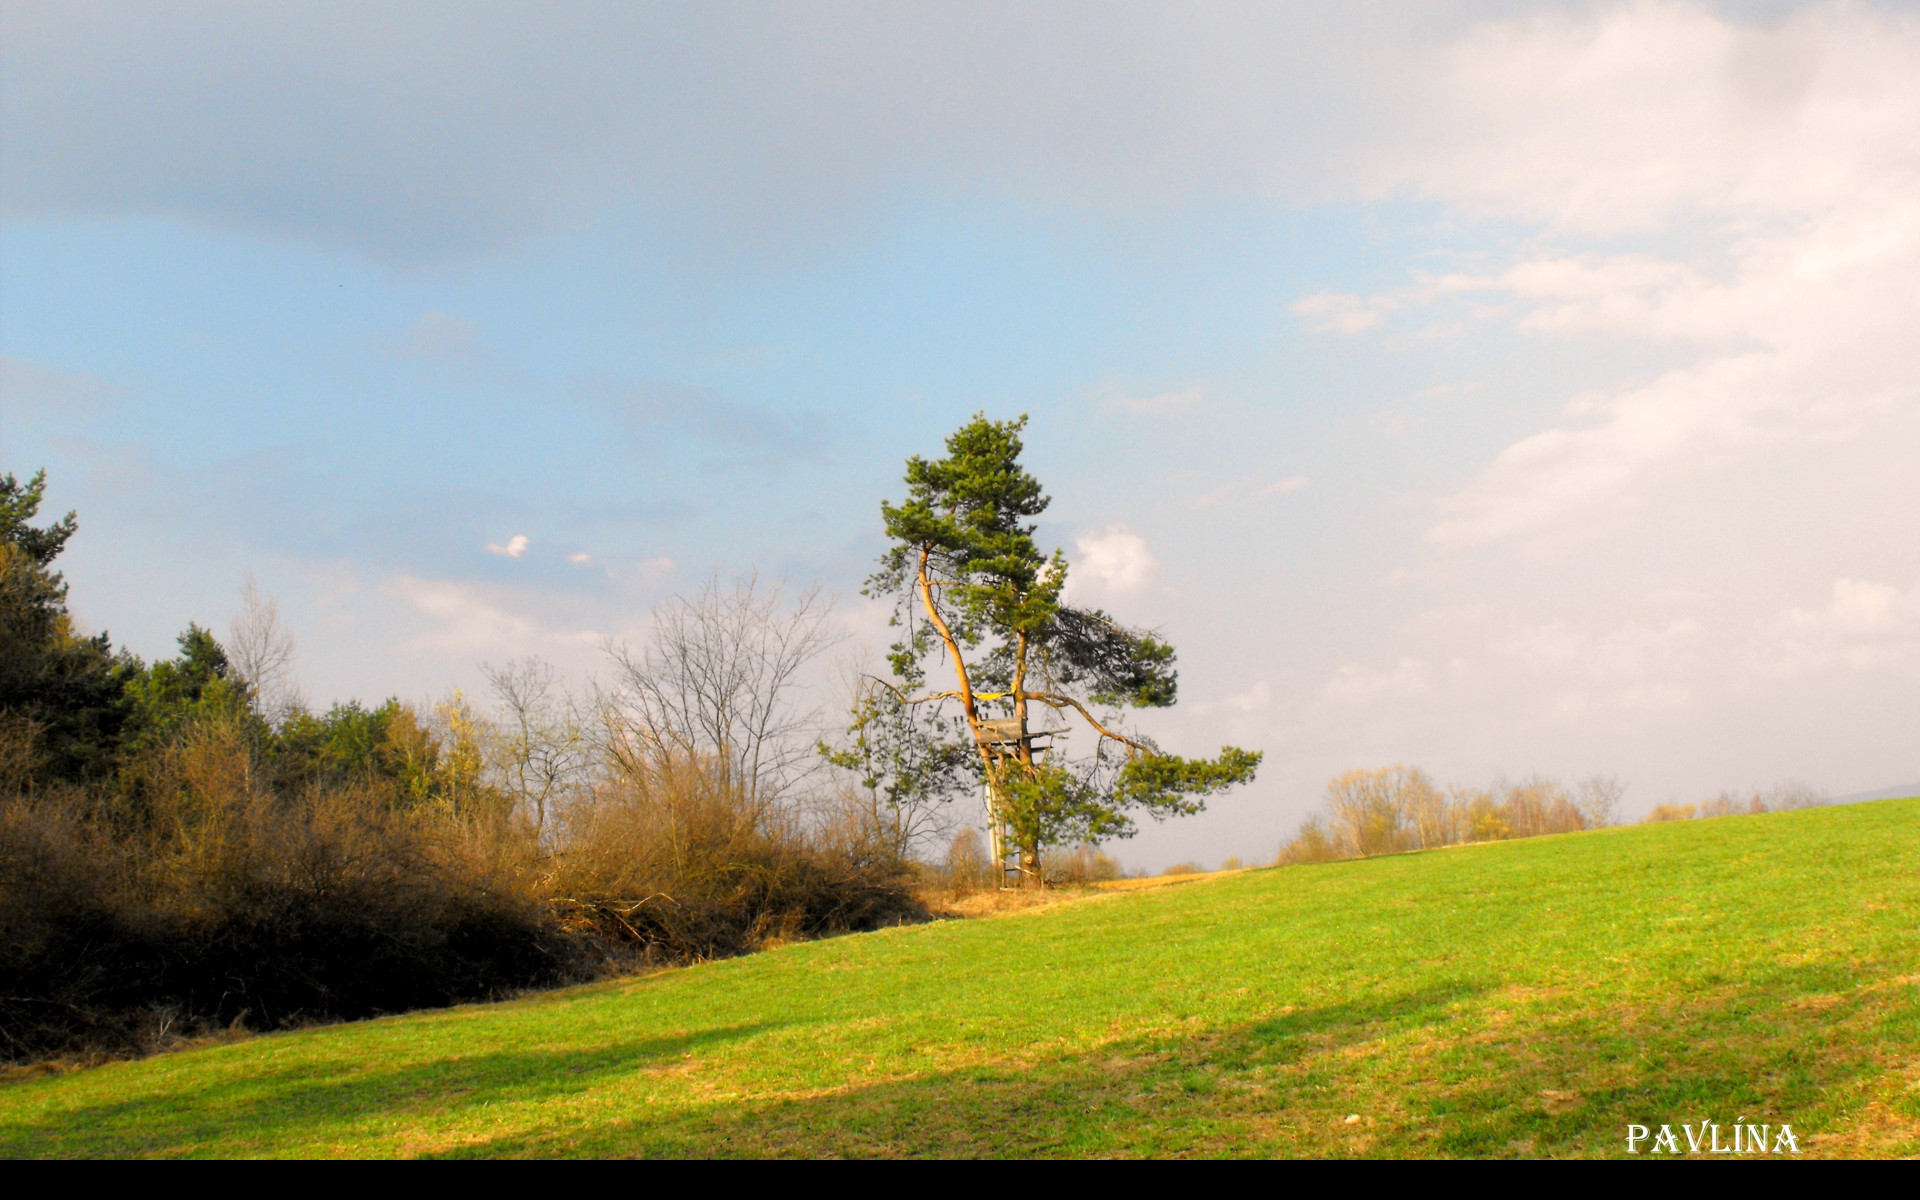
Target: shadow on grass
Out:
[295,1103]
[1140,1096]
[1426,1072]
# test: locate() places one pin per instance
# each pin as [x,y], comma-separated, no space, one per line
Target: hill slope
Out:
[1520,998]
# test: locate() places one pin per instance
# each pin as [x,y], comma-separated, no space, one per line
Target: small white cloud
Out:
[1247,491]
[437,335]
[1635,666]
[1863,625]
[1634,655]
[1656,697]
[465,620]
[1116,558]
[1354,683]
[1863,609]
[515,547]
[1676,597]
[1158,404]
[580,558]
[1343,312]
[644,573]
[1255,699]
[32,390]
[1550,479]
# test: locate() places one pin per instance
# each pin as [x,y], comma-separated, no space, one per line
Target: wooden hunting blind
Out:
[1005,732]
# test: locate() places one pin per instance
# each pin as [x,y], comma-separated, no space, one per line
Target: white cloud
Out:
[1356,683]
[514,548]
[1669,597]
[1862,626]
[1156,404]
[580,558]
[1563,478]
[437,335]
[35,391]
[431,131]
[1628,117]
[1792,155]
[644,574]
[1246,491]
[1655,697]
[1344,312]
[1116,559]
[1255,699]
[464,620]
[1640,663]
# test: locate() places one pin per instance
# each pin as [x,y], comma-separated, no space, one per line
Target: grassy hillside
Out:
[1521,998]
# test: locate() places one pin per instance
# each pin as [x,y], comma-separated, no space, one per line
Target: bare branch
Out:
[1059,702]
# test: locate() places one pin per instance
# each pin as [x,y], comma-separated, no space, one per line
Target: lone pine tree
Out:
[974,588]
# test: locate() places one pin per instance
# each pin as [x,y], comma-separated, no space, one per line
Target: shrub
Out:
[1669,812]
[1310,845]
[1077,865]
[680,862]
[220,904]
[196,897]
[969,865]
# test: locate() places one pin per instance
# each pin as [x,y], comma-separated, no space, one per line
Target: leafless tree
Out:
[1599,799]
[540,744]
[1379,812]
[717,681]
[261,650]
[968,867]
[895,775]
[1785,797]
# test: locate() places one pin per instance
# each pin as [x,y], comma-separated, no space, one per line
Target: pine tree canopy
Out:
[975,589]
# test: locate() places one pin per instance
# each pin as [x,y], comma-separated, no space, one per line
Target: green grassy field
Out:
[1525,998]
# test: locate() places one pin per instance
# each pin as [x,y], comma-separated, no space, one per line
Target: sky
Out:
[1496,388]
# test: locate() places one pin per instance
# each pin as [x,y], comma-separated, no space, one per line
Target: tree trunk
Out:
[1023,751]
[996,837]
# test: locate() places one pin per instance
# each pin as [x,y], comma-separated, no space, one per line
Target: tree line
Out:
[1392,810]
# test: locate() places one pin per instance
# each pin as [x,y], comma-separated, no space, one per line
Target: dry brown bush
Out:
[969,865]
[207,900]
[215,902]
[1310,845]
[679,861]
[1670,812]
[1077,866]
